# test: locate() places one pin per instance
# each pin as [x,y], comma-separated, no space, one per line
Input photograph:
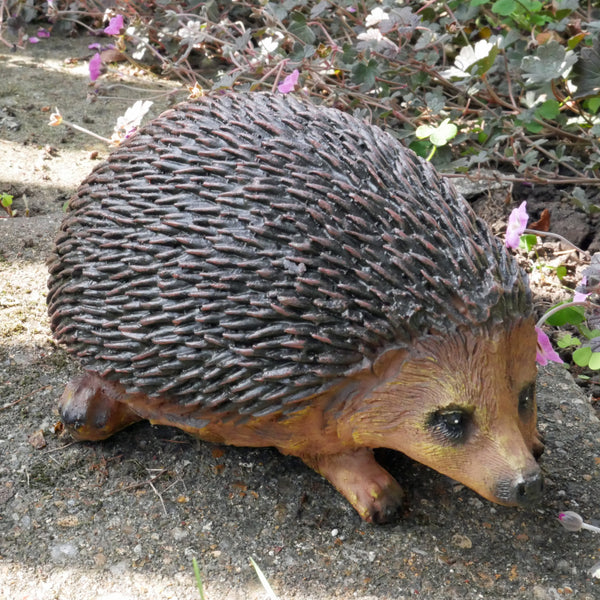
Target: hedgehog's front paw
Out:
[538,445]
[90,408]
[374,493]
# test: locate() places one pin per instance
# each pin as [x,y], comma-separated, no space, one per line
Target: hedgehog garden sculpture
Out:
[259,271]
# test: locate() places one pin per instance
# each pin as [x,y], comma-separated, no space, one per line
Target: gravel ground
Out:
[122,519]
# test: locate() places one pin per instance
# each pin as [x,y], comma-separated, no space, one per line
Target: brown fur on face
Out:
[483,383]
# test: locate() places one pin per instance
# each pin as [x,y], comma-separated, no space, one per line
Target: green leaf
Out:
[534,127]
[298,27]
[586,73]
[276,9]
[421,148]
[568,341]
[549,109]
[443,133]
[573,315]
[581,356]
[504,7]
[589,334]
[198,578]
[424,131]
[365,74]
[561,272]
[550,61]
[528,241]
[438,136]
[594,361]
[593,104]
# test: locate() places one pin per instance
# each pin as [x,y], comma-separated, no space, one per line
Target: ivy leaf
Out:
[586,73]
[549,62]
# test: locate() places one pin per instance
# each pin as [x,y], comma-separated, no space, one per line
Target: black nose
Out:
[529,489]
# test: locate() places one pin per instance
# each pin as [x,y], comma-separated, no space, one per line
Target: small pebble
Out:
[462,541]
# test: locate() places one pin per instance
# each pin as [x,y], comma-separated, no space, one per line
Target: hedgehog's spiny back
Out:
[249,249]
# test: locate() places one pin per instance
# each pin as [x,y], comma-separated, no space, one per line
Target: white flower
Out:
[376,16]
[269,44]
[128,124]
[468,56]
[371,35]
[191,33]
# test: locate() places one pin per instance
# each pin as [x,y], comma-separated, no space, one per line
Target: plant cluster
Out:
[581,313]
[516,83]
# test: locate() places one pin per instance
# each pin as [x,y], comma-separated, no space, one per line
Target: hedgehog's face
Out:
[466,407]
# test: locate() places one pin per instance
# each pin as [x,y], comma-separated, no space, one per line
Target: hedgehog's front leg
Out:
[373,492]
[92,408]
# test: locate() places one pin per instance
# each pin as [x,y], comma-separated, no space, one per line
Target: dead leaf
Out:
[543,223]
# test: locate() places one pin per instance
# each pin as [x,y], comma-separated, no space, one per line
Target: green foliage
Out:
[568,341]
[528,241]
[585,357]
[570,315]
[198,578]
[519,79]
[6,201]
[587,352]
[437,136]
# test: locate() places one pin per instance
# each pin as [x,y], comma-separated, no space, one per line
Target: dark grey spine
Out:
[246,251]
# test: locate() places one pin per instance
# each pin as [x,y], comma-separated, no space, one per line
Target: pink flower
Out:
[115,26]
[43,33]
[289,83]
[545,351]
[95,65]
[580,296]
[33,40]
[517,222]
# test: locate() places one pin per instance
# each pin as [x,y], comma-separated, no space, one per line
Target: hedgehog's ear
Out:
[388,363]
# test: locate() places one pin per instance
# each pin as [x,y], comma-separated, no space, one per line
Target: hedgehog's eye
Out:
[526,401]
[450,424]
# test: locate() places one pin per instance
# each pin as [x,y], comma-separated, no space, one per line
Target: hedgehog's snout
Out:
[524,490]
[529,489]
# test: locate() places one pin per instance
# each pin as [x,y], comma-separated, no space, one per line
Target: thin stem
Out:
[554,235]
[84,130]
[556,309]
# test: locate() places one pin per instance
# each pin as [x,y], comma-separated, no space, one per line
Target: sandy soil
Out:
[121,520]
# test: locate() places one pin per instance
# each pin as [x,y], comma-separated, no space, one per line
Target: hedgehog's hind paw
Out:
[91,408]
[374,493]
